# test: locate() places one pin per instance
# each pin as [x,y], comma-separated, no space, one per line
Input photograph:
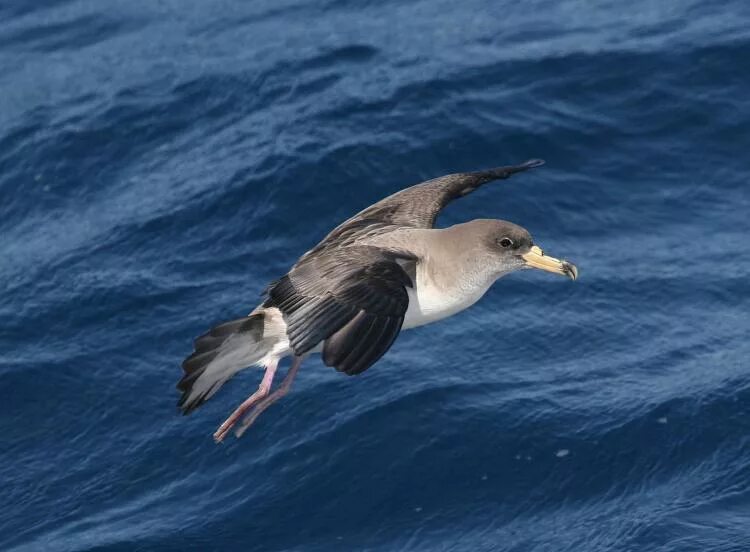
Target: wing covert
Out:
[352,299]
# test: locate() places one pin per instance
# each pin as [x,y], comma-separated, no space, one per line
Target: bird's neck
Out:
[456,262]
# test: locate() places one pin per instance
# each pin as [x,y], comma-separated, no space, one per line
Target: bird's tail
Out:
[222,352]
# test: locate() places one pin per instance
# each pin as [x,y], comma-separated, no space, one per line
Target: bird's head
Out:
[511,248]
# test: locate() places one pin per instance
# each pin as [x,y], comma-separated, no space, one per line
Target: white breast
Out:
[429,302]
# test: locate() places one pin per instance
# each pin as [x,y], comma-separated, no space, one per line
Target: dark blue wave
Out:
[160,163]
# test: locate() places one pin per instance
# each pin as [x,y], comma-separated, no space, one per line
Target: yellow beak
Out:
[535,258]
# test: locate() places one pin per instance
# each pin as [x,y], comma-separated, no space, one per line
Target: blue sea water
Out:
[161,161]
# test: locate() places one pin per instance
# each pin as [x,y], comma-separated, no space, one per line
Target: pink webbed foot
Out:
[263,389]
[264,403]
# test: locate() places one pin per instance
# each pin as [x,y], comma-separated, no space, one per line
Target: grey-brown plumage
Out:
[354,296]
[384,269]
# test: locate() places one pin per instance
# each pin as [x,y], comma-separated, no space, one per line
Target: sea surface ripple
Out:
[160,162]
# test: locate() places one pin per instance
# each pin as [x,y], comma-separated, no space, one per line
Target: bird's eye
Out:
[506,242]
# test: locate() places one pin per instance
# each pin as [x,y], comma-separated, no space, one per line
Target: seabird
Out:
[384,270]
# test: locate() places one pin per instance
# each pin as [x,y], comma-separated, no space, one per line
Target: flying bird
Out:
[384,270]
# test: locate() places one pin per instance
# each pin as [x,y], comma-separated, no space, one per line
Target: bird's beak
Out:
[535,258]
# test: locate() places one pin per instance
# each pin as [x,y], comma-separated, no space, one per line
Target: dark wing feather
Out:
[420,205]
[353,299]
[360,343]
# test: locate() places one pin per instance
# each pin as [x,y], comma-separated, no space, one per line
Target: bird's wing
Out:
[420,205]
[353,299]
[415,207]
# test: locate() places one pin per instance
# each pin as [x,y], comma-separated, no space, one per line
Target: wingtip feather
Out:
[532,163]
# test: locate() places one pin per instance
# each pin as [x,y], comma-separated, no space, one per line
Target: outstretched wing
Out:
[352,299]
[420,205]
[416,207]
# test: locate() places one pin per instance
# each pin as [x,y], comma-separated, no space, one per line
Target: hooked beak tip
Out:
[570,270]
[535,258]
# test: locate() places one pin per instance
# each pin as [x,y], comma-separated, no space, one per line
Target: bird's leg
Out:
[280,391]
[263,389]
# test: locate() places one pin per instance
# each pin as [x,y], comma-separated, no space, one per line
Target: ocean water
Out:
[160,162]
